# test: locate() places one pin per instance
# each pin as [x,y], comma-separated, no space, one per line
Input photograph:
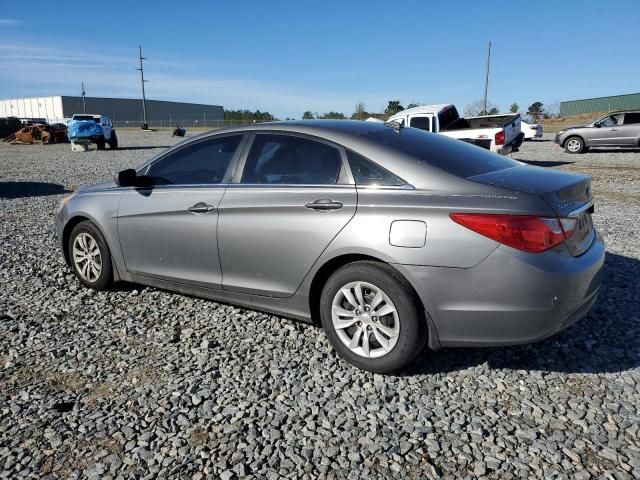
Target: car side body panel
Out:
[160,237]
[268,239]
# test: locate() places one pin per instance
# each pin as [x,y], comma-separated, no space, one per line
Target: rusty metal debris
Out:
[45,134]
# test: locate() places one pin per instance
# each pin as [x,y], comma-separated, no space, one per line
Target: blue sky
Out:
[290,56]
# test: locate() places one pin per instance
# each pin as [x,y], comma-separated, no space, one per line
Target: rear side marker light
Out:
[523,232]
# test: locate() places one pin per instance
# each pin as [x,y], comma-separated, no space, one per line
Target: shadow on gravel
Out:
[147,147]
[30,189]
[614,150]
[605,341]
[540,163]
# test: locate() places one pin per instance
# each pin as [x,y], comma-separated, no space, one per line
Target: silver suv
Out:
[616,129]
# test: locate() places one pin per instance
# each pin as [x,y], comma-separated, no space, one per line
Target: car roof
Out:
[352,135]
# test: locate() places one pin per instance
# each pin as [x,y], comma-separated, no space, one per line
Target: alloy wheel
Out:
[573,145]
[87,257]
[365,319]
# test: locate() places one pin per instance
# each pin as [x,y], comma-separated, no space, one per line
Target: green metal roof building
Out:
[600,104]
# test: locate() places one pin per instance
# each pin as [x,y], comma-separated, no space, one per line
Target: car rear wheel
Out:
[371,317]
[574,145]
[100,143]
[90,256]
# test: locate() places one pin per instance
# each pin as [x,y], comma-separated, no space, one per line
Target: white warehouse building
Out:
[49,108]
[121,110]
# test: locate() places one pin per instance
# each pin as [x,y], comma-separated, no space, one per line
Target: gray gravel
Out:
[142,383]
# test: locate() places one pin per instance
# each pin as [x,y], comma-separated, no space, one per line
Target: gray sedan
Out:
[389,237]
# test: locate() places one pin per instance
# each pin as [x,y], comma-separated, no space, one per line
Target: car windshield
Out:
[452,156]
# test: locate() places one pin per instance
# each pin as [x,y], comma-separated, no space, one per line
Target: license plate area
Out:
[583,234]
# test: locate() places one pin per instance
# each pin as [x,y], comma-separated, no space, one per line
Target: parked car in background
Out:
[530,130]
[616,129]
[85,129]
[388,237]
[498,133]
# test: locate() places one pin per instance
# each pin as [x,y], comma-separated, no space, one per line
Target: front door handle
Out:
[201,207]
[324,204]
[614,130]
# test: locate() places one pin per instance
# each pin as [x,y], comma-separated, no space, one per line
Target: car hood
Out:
[97,187]
[573,127]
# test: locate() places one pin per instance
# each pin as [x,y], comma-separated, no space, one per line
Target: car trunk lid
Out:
[568,194]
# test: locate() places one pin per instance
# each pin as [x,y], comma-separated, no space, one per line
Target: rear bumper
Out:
[511,297]
[86,140]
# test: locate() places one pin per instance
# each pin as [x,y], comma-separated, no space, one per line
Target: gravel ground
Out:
[142,383]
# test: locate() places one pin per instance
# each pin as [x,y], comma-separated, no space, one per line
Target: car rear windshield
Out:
[86,117]
[452,156]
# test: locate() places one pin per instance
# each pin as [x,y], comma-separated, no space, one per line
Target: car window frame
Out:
[226,178]
[344,174]
[422,115]
[360,186]
[624,119]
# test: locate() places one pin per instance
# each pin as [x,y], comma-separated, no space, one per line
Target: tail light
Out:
[523,232]
[500,138]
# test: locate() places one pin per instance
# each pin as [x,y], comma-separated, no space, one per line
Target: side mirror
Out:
[597,125]
[127,178]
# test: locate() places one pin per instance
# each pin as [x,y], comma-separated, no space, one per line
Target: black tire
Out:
[574,145]
[412,334]
[100,143]
[105,277]
[113,141]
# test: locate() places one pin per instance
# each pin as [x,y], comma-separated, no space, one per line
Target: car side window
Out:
[610,121]
[366,172]
[285,159]
[631,118]
[423,123]
[203,162]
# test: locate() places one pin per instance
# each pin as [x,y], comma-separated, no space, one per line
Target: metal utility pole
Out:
[486,81]
[145,126]
[84,104]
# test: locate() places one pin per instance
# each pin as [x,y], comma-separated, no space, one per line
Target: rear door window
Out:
[287,159]
[423,123]
[631,118]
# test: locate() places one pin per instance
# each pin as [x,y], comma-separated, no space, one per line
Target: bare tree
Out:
[477,108]
[360,112]
[553,109]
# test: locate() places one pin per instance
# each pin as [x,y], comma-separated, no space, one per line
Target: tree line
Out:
[536,111]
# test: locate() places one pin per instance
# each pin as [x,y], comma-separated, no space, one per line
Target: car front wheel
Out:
[574,145]
[371,317]
[90,256]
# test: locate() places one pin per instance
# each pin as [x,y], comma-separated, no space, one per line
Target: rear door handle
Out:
[324,204]
[201,207]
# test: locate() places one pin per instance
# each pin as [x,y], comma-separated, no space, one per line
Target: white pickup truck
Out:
[105,134]
[498,133]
